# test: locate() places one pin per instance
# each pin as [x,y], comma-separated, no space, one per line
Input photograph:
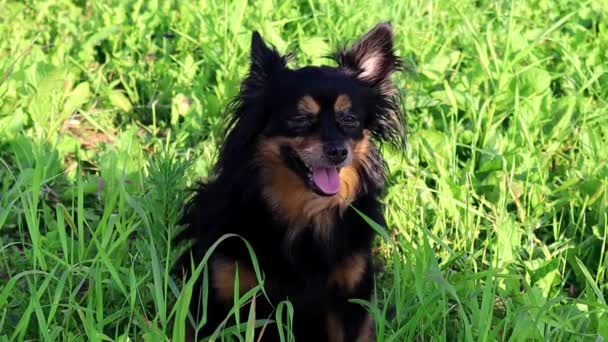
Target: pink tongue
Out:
[327,179]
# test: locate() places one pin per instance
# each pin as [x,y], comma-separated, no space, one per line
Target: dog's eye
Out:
[349,120]
[300,122]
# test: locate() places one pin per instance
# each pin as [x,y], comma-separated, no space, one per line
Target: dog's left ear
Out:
[371,58]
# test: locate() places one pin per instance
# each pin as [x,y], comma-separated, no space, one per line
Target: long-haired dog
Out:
[299,153]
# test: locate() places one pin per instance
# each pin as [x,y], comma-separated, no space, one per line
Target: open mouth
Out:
[322,180]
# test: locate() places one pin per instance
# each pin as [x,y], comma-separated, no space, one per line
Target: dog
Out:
[301,150]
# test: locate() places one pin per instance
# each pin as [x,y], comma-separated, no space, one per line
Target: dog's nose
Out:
[336,152]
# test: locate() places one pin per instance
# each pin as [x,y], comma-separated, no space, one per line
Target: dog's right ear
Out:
[249,116]
[265,60]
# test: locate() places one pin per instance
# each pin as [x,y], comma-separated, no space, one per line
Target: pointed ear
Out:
[372,57]
[248,110]
[265,60]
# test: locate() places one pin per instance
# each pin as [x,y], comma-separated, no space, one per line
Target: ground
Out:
[497,220]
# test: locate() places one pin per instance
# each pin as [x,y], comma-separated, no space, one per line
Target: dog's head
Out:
[315,126]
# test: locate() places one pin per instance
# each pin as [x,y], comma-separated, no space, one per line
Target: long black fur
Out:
[231,200]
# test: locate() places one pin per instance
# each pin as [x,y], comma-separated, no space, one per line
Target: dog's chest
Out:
[302,284]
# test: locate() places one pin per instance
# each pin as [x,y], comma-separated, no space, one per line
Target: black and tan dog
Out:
[300,152]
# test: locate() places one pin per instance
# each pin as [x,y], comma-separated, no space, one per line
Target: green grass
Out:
[497,211]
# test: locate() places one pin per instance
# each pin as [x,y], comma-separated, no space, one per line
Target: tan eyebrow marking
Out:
[342,103]
[309,105]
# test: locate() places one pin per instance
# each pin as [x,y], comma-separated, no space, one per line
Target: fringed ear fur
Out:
[372,58]
[265,61]
[248,114]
